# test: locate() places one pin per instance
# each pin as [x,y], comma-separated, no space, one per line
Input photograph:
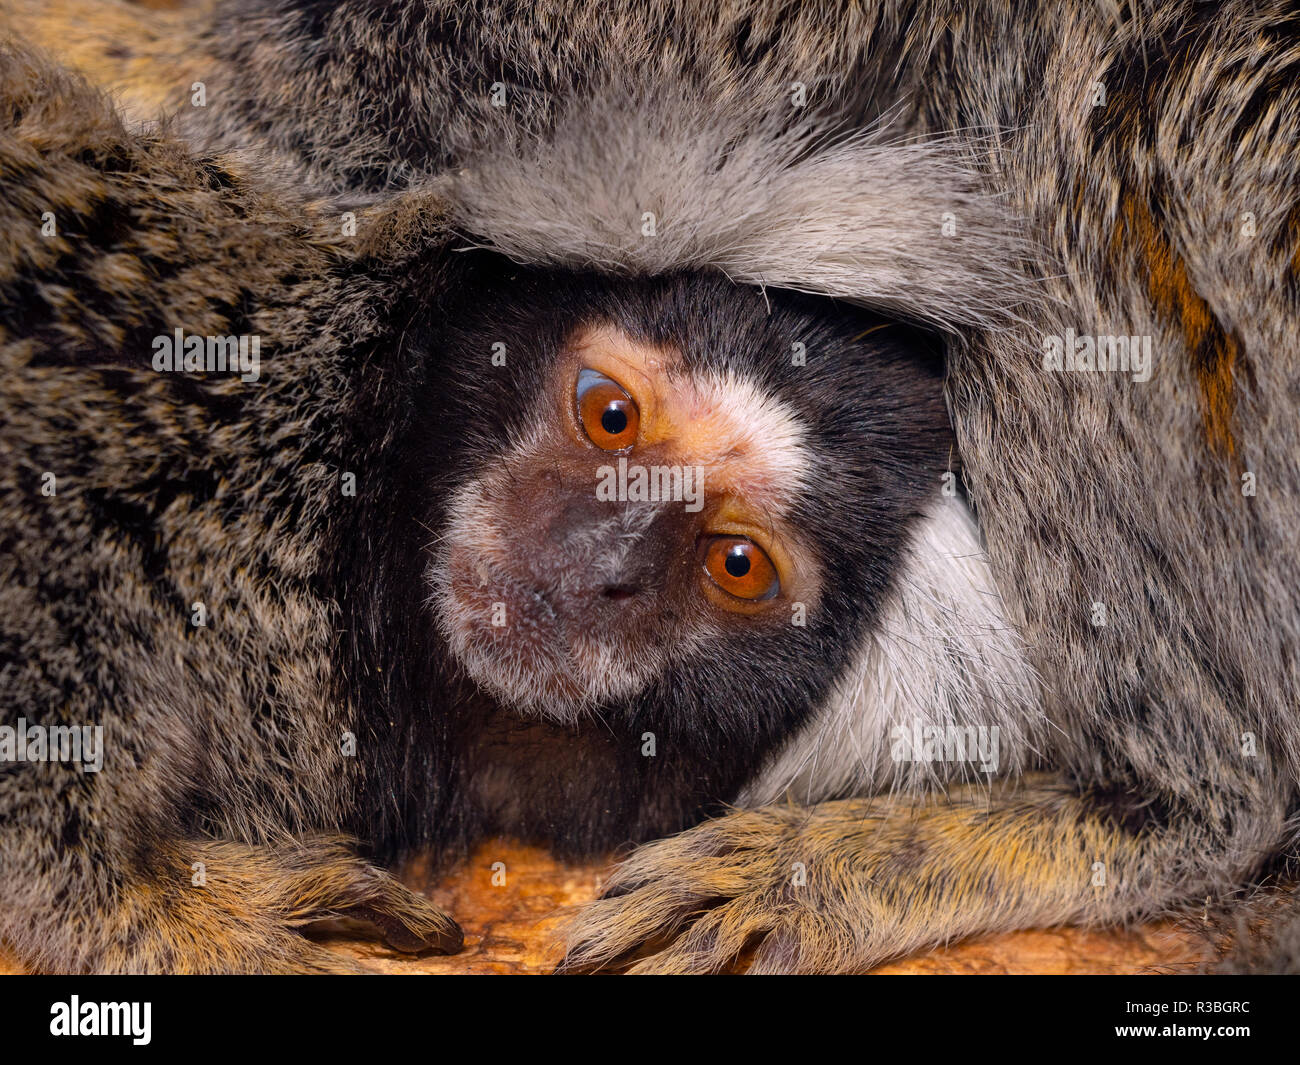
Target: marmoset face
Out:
[676,497]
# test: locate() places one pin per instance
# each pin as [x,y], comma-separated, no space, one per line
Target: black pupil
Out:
[737,562]
[613,420]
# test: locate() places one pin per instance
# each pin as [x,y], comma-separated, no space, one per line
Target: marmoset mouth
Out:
[533,645]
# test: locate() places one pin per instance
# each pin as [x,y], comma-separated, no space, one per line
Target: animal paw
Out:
[242,909]
[774,881]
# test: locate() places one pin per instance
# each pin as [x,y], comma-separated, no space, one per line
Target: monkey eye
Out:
[608,414]
[739,567]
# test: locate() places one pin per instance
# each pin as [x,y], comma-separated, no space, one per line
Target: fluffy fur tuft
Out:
[943,655]
[754,194]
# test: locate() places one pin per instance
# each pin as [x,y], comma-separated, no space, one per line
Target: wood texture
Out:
[512,927]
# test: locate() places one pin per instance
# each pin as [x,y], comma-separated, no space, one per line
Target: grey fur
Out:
[739,190]
[153,507]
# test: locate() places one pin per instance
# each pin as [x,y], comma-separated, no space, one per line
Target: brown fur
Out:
[1089,489]
[161,237]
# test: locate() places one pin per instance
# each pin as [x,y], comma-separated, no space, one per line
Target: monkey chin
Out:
[533,658]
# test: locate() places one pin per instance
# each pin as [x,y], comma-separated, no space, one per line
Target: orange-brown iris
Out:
[608,414]
[739,567]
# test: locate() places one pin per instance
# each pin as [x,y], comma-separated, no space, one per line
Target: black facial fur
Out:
[875,422]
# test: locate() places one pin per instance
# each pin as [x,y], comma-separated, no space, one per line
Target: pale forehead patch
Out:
[748,441]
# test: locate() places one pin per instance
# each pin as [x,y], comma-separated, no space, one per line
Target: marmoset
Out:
[764,430]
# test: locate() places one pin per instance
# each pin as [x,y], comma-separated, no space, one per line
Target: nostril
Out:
[618,592]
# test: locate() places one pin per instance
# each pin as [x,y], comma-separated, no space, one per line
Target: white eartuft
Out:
[943,657]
